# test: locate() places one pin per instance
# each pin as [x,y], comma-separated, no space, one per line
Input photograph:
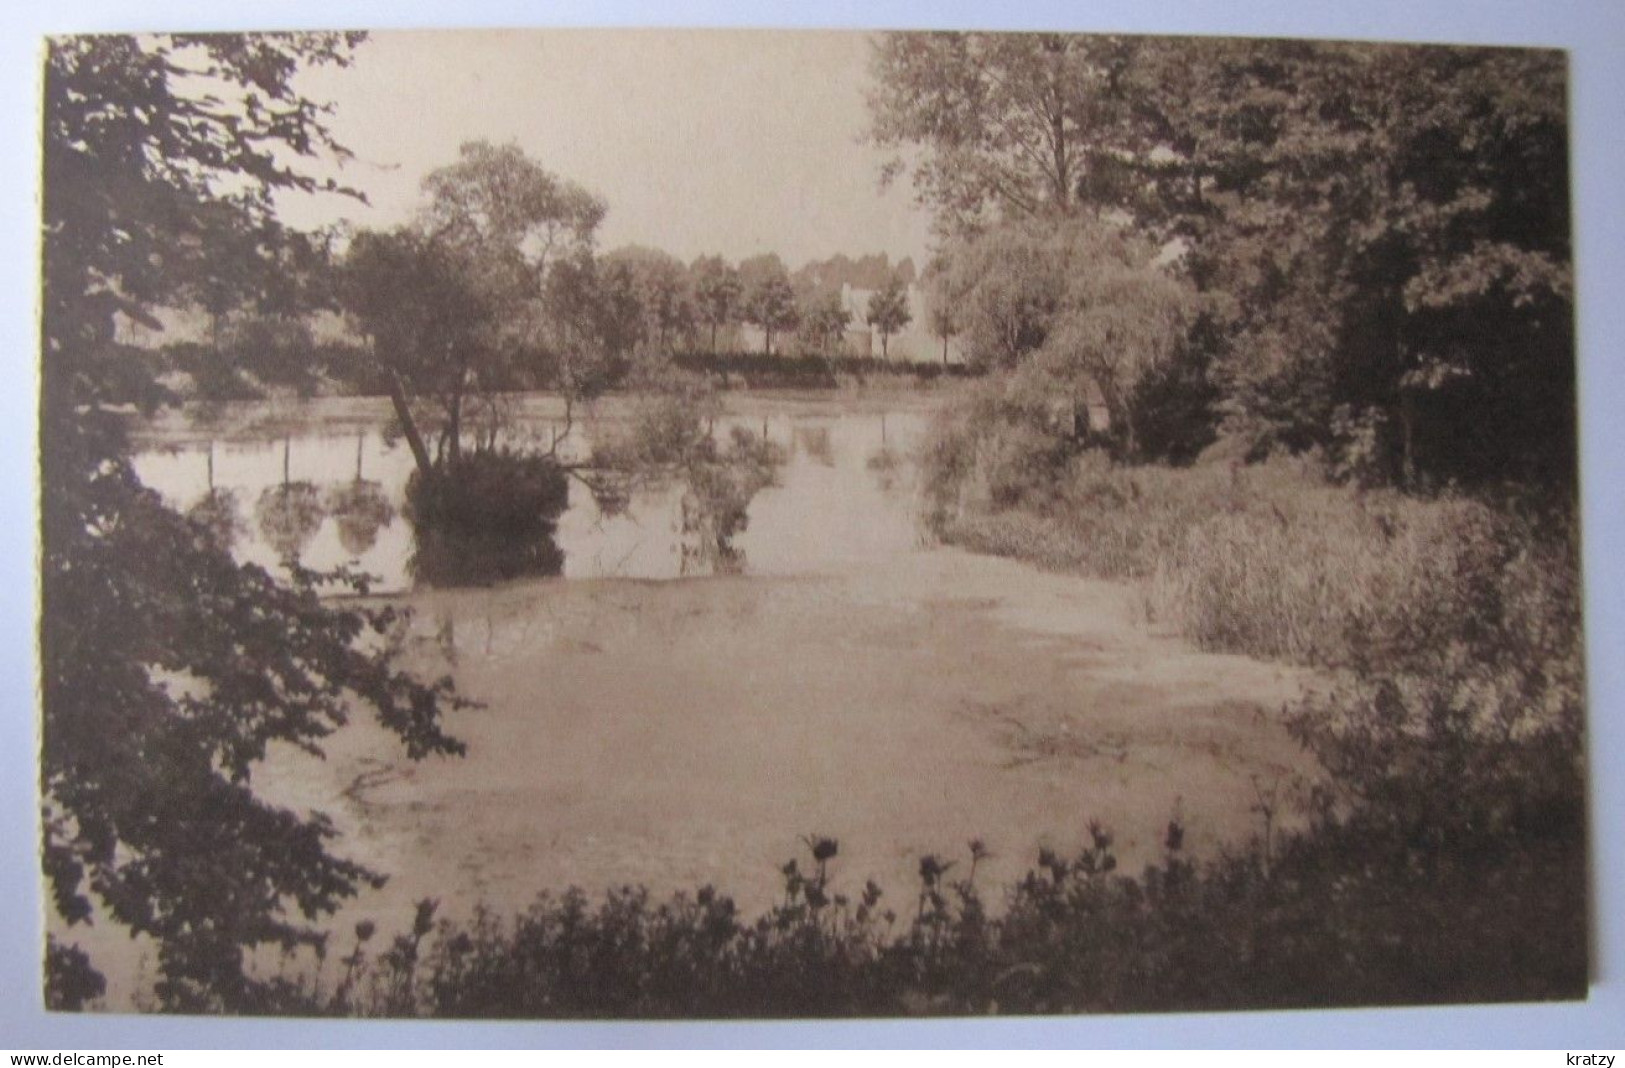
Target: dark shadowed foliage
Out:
[167,669]
[486,517]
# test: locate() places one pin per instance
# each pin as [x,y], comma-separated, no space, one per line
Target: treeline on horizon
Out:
[234,338]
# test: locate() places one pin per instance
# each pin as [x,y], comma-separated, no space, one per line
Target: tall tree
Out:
[717,291]
[167,669]
[415,300]
[824,319]
[1381,232]
[769,299]
[666,303]
[1007,122]
[888,312]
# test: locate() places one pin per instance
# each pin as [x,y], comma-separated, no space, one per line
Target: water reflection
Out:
[718,488]
[220,513]
[288,517]
[840,492]
[361,509]
[813,442]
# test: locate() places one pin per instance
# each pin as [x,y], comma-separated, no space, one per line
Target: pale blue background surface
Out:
[1594,31]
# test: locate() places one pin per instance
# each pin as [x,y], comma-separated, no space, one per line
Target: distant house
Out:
[914,342]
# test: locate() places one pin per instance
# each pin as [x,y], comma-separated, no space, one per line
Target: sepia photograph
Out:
[696,524]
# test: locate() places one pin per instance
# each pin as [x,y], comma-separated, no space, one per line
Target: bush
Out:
[487,517]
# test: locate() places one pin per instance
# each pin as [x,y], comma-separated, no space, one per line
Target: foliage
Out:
[490,518]
[493,289]
[1010,123]
[754,370]
[1381,230]
[769,300]
[863,272]
[671,439]
[668,310]
[418,307]
[1250,930]
[888,311]
[1080,302]
[168,671]
[824,320]
[717,291]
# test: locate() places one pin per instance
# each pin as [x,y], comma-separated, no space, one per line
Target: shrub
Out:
[1342,914]
[486,517]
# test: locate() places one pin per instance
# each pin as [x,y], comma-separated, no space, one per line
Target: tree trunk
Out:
[454,414]
[414,440]
[1407,456]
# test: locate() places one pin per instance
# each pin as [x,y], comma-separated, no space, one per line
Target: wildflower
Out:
[932,868]
[1176,836]
[823,848]
[423,923]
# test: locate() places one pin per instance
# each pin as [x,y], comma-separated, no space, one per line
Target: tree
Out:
[660,286]
[501,205]
[769,298]
[457,306]
[939,302]
[1381,233]
[717,291]
[1007,121]
[1082,300]
[510,222]
[824,320]
[888,312]
[415,302]
[167,669]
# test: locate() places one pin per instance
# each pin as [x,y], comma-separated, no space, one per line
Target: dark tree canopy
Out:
[168,671]
[1380,232]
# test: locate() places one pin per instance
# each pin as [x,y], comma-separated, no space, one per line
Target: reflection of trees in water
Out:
[220,513]
[885,463]
[813,442]
[288,516]
[718,487]
[361,509]
[488,517]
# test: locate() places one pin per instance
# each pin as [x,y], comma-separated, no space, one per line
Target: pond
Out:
[323,485]
[650,719]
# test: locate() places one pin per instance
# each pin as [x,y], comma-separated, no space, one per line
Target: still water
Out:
[324,485]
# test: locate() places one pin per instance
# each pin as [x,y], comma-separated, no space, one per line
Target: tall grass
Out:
[1272,560]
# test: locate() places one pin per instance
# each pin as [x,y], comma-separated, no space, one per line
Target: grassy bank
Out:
[1452,731]
[1273,561]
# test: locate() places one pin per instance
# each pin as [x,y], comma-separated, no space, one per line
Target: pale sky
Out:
[736,142]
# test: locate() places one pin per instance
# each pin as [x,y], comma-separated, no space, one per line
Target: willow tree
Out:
[1080,302]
